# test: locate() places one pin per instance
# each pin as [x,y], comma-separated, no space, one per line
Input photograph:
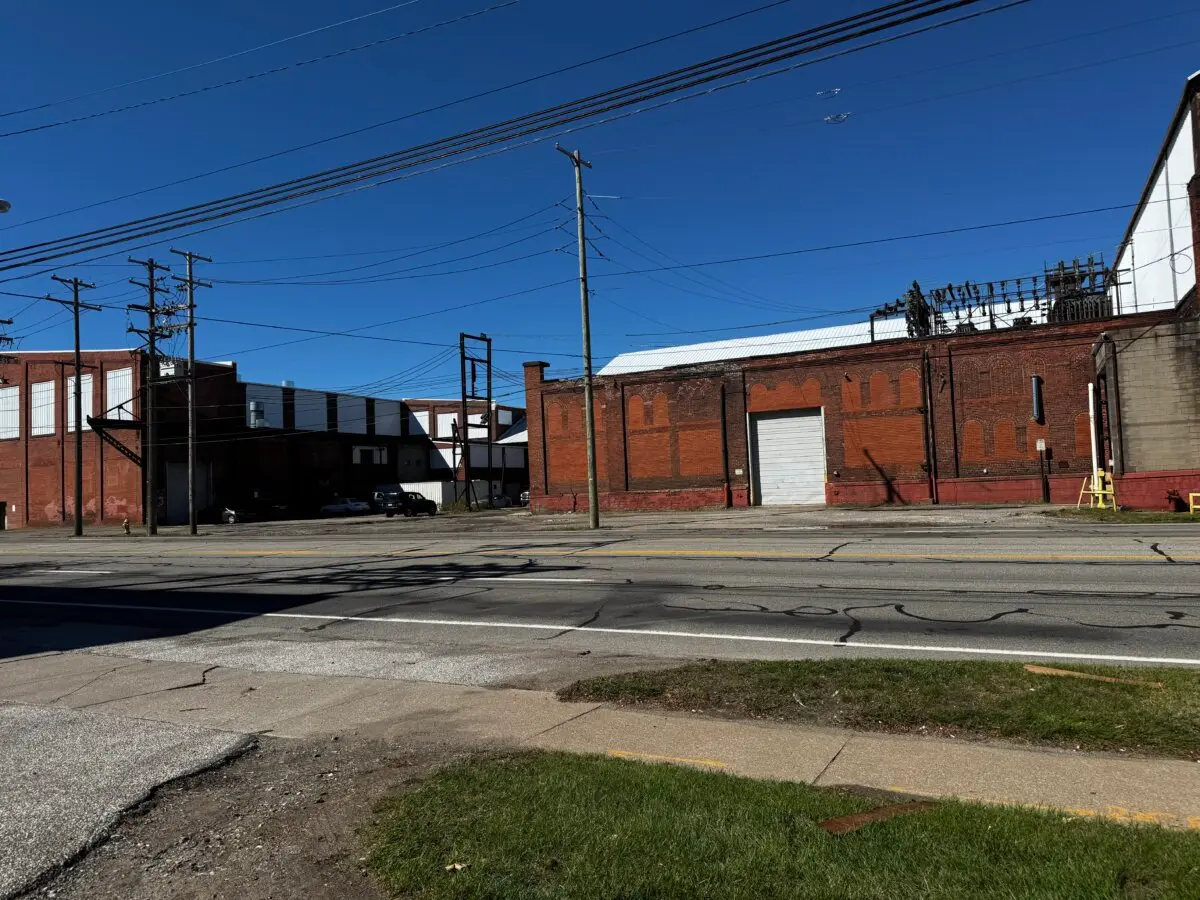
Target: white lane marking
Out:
[635,632]
[70,572]
[535,580]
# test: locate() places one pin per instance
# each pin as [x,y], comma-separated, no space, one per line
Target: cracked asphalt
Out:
[500,605]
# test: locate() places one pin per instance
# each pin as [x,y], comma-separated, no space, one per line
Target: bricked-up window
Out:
[85,401]
[10,413]
[41,409]
[118,394]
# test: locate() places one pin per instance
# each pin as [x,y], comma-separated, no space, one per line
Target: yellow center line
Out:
[816,554]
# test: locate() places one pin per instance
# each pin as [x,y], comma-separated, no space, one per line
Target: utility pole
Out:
[192,284]
[152,334]
[6,341]
[464,432]
[472,393]
[76,286]
[578,162]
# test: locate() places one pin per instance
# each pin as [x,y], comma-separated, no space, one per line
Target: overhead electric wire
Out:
[244,79]
[200,65]
[760,56]
[378,277]
[720,285]
[438,108]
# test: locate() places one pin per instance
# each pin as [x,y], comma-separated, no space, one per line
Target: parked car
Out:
[500,501]
[346,506]
[406,503]
[524,498]
[254,510]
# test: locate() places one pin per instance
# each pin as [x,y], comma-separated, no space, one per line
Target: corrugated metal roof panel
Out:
[760,345]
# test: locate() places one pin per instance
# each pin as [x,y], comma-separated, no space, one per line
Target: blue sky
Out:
[1056,106]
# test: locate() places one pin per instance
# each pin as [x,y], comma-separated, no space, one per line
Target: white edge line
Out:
[70,572]
[535,580]
[639,632]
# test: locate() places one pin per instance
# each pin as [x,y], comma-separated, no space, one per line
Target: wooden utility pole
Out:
[192,284]
[150,435]
[578,162]
[75,305]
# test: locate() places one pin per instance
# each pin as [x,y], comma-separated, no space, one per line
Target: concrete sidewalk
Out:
[233,701]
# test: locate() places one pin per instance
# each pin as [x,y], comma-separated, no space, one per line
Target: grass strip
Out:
[972,699]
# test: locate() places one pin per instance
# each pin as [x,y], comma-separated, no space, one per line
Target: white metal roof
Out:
[760,345]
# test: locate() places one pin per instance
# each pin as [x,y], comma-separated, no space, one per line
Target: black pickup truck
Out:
[394,500]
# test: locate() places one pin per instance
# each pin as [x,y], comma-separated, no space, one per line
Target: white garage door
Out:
[789,457]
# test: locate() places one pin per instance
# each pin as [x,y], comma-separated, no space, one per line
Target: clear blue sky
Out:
[940,137]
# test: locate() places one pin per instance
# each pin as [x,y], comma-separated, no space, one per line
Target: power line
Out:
[257,75]
[438,108]
[877,241]
[680,80]
[395,274]
[208,62]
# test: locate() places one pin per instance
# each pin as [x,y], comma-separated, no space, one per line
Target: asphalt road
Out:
[498,605]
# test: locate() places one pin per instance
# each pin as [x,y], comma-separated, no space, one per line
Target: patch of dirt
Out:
[282,822]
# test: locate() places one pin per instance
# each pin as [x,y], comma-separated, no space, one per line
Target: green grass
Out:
[555,826]
[1124,516]
[966,699]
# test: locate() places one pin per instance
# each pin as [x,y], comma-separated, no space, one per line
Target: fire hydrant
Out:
[125,524]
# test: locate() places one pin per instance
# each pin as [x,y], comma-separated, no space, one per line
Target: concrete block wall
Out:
[1158,376]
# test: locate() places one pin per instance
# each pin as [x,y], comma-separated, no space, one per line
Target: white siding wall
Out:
[10,412]
[1158,259]
[387,417]
[85,401]
[271,398]
[418,423]
[352,414]
[312,413]
[41,408]
[445,425]
[118,394]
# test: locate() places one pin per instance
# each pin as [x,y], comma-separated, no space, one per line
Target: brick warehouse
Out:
[936,409]
[297,446]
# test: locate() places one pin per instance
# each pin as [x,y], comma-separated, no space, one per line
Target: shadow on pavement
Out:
[43,618]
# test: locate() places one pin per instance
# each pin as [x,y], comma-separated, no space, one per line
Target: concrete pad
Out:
[1142,790]
[452,713]
[117,680]
[235,700]
[31,669]
[756,751]
[67,776]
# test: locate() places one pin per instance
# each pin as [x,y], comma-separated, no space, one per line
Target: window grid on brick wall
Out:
[85,401]
[41,409]
[10,413]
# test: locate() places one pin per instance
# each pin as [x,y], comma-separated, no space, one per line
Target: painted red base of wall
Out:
[1145,490]
[699,498]
[877,493]
[954,491]
[1151,490]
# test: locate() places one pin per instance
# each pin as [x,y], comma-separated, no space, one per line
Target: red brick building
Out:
[297,446]
[945,419]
